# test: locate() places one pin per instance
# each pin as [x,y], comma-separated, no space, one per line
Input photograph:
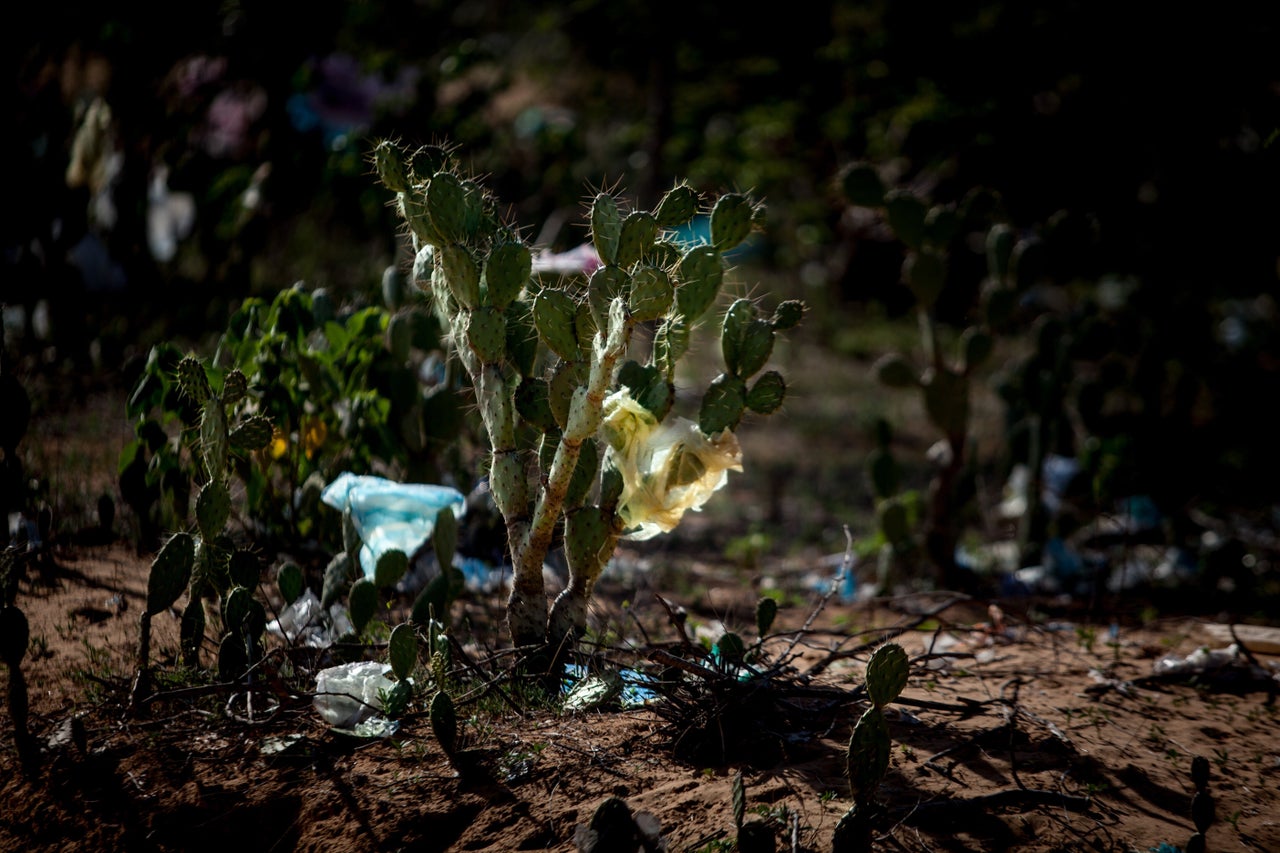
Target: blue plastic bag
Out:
[390,516]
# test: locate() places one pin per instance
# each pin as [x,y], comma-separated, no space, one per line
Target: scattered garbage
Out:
[584,691]
[305,622]
[1210,662]
[348,694]
[390,516]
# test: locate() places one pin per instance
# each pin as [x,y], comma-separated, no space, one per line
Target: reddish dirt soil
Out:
[1035,732]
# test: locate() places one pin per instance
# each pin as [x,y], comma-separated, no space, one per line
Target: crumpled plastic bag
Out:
[305,622]
[667,468]
[390,516]
[347,694]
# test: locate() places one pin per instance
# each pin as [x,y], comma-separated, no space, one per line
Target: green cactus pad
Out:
[586,532]
[731,221]
[402,650]
[651,294]
[362,602]
[244,568]
[444,538]
[170,572]
[447,206]
[193,380]
[606,283]
[894,371]
[389,163]
[635,238]
[213,508]
[861,184]
[867,758]
[670,344]
[1200,772]
[565,379]
[722,405]
[507,484]
[290,582]
[399,337]
[191,631]
[941,224]
[606,227]
[393,287]
[999,249]
[975,348]
[427,160]
[906,213]
[755,347]
[925,272]
[946,400]
[391,567]
[554,314]
[767,394]
[534,406]
[734,328]
[584,474]
[677,206]
[213,438]
[648,386]
[853,831]
[701,274]
[487,334]
[895,522]
[506,272]
[234,387]
[444,722]
[887,673]
[233,658]
[462,274]
[883,472]
[787,315]
[766,613]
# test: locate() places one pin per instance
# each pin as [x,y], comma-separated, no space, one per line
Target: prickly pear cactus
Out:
[582,431]
[205,563]
[867,757]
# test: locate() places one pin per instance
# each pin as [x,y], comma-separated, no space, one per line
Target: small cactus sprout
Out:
[867,758]
[444,723]
[1202,805]
[583,437]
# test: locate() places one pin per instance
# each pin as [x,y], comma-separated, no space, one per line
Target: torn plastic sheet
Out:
[305,622]
[347,695]
[390,516]
[586,691]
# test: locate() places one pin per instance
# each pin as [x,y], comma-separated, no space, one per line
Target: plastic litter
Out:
[305,622]
[390,516]
[347,694]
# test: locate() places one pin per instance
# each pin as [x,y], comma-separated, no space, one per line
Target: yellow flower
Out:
[279,443]
[667,469]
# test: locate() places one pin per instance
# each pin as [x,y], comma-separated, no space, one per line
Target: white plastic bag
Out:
[347,694]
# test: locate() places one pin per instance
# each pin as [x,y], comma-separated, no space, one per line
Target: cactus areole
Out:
[583,438]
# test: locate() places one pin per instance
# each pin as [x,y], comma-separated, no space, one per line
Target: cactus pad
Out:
[887,674]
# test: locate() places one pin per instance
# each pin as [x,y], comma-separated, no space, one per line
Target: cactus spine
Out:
[543,356]
[867,758]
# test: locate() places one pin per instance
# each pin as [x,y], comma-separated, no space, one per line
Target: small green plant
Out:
[206,564]
[867,757]
[1202,805]
[585,445]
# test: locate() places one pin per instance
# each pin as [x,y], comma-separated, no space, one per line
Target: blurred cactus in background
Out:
[927,233]
[585,444]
